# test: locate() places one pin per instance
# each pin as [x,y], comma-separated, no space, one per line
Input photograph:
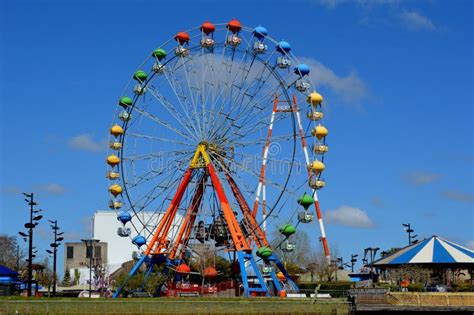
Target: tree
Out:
[67,277]
[77,276]
[389,252]
[296,260]
[44,274]
[10,255]
[413,273]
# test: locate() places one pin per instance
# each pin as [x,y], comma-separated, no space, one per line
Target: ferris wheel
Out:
[218,134]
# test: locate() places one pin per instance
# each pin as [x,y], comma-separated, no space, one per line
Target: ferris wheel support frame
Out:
[261,184]
[241,244]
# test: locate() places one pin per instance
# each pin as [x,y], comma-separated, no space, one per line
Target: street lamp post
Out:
[33,222]
[353,261]
[409,230]
[89,249]
[57,238]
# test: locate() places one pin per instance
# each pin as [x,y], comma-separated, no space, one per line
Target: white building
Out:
[120,249]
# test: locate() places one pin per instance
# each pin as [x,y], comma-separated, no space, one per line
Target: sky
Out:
[397,77]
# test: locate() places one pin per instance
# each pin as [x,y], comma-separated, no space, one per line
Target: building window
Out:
[97,252]
[88,251]
[70,252]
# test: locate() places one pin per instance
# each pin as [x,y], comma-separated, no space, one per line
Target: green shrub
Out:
[416,287]
[391,287]
[340,285]
[463,287]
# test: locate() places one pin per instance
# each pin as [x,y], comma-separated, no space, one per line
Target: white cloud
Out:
[86,143]
[349,87]
[54,189]
[349,216]
[460,196]
[11,190]
[333,3]
[416,21]
[420,178]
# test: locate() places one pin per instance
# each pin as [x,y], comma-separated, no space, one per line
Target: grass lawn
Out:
[194,306]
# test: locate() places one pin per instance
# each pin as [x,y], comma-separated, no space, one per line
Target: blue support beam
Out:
[243,258]
[130,274]
[280,266]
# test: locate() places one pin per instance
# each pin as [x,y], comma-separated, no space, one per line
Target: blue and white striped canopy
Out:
[433,250]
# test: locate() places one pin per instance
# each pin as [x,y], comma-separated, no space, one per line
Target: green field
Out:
[195,306]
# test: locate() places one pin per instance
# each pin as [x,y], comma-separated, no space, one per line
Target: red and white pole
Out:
[314,193]
[261,189]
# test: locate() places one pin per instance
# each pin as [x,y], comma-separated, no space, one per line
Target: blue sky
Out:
[397,77]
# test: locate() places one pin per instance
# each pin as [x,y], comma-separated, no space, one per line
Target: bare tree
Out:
[318,266]
[413,273]
[10,254]
[297,259]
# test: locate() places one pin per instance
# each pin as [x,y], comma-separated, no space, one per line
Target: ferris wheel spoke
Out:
[161,122]
[161,139]
[254,129]
[172,110]
[187,75]
[231,85]
[246,109]
[241,183]
[245,121]
[166,185]
[180,96]
[255,174]
[244,92]
[161,154]
[260,158]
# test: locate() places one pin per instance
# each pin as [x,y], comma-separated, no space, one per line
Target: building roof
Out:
[433,250]
[7,272]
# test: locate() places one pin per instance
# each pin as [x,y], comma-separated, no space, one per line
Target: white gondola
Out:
[302,85]
[123,231]
[115,204]
[283,62]
[259,48]
[139,90]
[320,149]
[207,42]
[305,217]
[317,183]
[124,116]
[180,51]
[233,40]
[267,269]
[315,115]
[158,68]
[115,145]
[288,247]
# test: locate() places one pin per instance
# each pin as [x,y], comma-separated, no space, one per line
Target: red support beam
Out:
[159,238]
[238,238]
[188,222]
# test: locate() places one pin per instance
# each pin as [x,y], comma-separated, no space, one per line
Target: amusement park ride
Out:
[188,146]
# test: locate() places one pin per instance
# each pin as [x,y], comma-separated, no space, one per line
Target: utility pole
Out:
[55,246]
[30,225]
